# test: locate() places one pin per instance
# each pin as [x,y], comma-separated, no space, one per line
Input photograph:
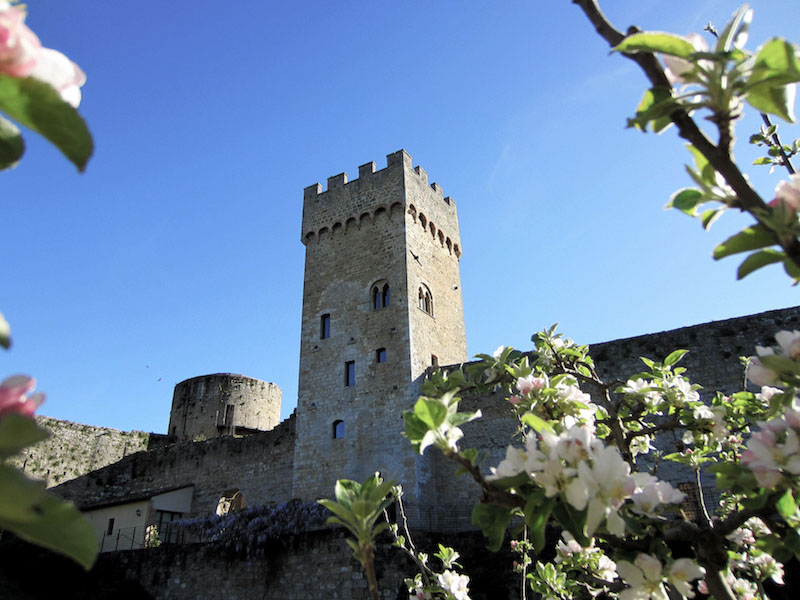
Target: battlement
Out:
[374,191]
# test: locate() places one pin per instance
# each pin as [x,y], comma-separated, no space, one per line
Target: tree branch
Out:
[719,157]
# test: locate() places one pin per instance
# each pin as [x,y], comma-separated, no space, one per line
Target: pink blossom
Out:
[788,192]
[22,55]
[61,73]
[19,46]
[760,375]
[14,396]
[530,383]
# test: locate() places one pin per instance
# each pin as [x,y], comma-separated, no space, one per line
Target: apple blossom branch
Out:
[719,156]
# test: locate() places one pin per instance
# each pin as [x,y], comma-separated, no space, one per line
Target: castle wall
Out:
[260,465]
[223,404]
[74,449]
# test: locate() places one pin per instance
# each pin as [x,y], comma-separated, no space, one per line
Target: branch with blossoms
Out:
[720,80]
[601,488]
[40,88]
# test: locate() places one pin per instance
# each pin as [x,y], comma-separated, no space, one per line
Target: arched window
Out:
[425,299]
[338,429]
[380,296]
[386,295]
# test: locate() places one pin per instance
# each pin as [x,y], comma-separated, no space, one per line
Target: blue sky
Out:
[177,253]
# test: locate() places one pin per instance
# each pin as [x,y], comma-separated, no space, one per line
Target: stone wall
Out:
[308,566]
[74,449]
[260,465]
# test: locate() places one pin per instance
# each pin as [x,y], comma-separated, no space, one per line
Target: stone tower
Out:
[381,304]
[210,406]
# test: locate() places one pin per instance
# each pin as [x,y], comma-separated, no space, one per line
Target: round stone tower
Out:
[223,404]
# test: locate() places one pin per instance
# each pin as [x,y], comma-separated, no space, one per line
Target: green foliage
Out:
[653,41]
[18,432]
[5,333]
[12,146]
[436,421]
[776,67]
[29,512]
[359,507]
[39,107]
[493,521]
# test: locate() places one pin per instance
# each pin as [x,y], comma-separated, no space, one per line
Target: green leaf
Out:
[686,200]
[32,514]
[786,505]
[752,238]
[5,333]
[536,423]
[709,217]
[737,26]
[573,521]
[655,107]
[776,67]
[537,514]
[415,429]
[656,41]
[792,270]
[38,106]
[759,259]
[492,520]
[763,160]
[12,146]
[18,432]
[674,357]
[430,411]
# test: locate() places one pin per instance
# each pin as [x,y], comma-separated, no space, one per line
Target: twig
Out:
[777,141]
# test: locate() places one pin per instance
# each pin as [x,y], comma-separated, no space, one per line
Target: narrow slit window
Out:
[376,298]
[434,360]
[325,327]
[110,528]
[386,295]
[380,355]
[350,373]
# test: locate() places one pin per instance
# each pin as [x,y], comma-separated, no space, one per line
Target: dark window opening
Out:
[386,295]
[376,298]
[350,373]
[434,360]
[325,327]
[110,528]
[338,430]
[380,355]
[229,412]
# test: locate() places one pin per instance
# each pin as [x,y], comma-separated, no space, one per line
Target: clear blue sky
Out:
[178,252]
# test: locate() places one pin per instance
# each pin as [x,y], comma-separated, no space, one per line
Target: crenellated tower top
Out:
[346,204]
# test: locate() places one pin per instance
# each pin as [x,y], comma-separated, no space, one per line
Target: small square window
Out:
[350,373]
[325,327]
[380,355]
